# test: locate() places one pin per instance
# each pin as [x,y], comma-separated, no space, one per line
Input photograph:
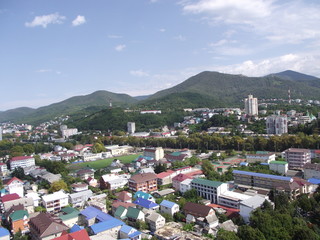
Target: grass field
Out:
[102,163]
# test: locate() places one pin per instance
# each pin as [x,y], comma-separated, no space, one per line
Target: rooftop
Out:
[206,182]
[262,175]
[278,162]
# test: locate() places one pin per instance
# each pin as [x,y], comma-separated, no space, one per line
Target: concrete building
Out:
[297,157]
[55,201]
[251,105]
[262,158]
[277,124]
[311,170]
[146,182]
[66,133]
[279,167]
[249,205]
[22,161]
[131,127]
[155,153]
[0,134]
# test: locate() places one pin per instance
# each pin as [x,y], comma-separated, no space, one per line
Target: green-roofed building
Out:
[135,214]
[209,189]
[279,166]
[19,221]
[69,216]
[121,213]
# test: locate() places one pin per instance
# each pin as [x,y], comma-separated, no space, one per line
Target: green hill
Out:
[226,89]
[98,99]
[16,113]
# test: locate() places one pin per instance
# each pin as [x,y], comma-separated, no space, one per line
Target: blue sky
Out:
[53,50]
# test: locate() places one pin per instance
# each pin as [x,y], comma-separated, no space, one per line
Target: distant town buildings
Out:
[131,127]
[277,124]
[251,105]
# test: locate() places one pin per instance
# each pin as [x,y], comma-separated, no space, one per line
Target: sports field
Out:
[102,163]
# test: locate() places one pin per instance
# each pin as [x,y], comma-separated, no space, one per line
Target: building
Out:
[277,124]
[297,157]
[207,189]
[0,133]
[4,234]
[165,178]
[177,180]
[147,204]
[249,205]
[251,105]
[155,153]
[3,169]
[311,170]
[69,216]
[127,232]
[14,185]
[85,173]
[169,207]
[131,127]
[19,221]
[155,221]
[44,227]
[78,199]
[55,201]
[261,158]
[146,182]
[113,181]
[279,167]
[66,133]
[22,161]
[81,234]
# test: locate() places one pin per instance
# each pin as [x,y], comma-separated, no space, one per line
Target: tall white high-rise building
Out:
[251,105]
[277,124]
[131,127]
[0,134]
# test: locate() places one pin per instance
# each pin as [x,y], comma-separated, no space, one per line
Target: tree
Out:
[226,235]
[58,185]
[18,172]
[249,233]
[40,209]
[303,233]
[168,217]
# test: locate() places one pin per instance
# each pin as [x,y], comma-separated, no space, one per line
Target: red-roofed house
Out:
[14,185]
[124,196]
[165,178]
[22,161]
[79,235]
[178,179]
[9,197]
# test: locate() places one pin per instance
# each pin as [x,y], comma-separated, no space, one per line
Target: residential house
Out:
[110,227]
[144,203]
[155,153]
[135,214]
[27,203]
[78,199]
[19,221]
[7,214]
[200,214]
[92,182]
[78,235]
[155,221]
[144,195]
[113,181]
[121,213]
[50,177]
[4,234]
[22,161]
[91,215]
[34,196]
[85,173]
[169,207]
[124,196]
[55,201]
[14,185]
[117,204]
[249,205]
[146,182]
[185,185]
[164,193]
[176,181]
[78,187]
[127,232]
[44,227]
[69,216]
[165,178]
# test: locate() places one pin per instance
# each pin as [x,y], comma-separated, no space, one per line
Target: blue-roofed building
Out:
[147,196]
[4,234]
[143,203]
[169,207]
[110,227]
[314,180]
[76,228]
[127,232]
[91,215]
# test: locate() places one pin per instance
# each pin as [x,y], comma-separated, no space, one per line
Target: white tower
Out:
[251,105]
[131,127]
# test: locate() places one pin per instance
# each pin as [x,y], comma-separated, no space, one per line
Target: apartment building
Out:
[311,170]
[297,157]
[113,181]
[155,153]
[262,158]
[277,124]
[145,182]
[22,161]
[251,105]
[55,201]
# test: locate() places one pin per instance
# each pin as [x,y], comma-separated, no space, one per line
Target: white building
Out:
[155,153]
[297,157]
[131,127]
[185,185]
[262,158]
[55,201]
[277,124]
[311,170]
[22,161]
[78,199]
[14,185]
[251,105]
[113,181]
[279,167]
[249,205]
[0,134]
[117,150]
[69,132]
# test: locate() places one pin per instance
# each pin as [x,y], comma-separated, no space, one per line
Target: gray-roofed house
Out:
[79,198]
[155,221]
[249,205]
[27,203]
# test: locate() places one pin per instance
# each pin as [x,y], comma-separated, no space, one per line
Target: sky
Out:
[53,50]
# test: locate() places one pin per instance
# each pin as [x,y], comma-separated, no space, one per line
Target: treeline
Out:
[116,119]
[204,142]
[14,149]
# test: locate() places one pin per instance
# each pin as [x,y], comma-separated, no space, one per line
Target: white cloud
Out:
[139,73]
[114,36]
[180,38]
[79,20]
[277,21]
[120,47]
[45,20]
[162,29]
[43,70]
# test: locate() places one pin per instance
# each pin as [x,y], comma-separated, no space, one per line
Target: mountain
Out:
[97,100]
[16,113]
[226,89]
[139,98]
[292,75]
